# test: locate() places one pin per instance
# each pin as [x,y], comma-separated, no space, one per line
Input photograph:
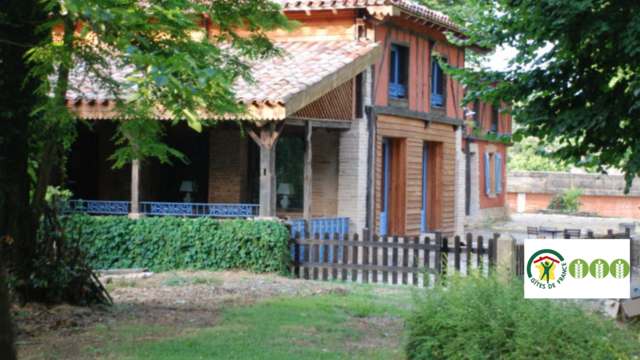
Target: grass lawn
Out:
[320,327]
[330,321]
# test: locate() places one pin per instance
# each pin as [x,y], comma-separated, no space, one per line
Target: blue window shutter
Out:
[487,170]
[498,173]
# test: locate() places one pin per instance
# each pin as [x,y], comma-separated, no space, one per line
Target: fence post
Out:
[505,258]
[365,255]
[610,232]
[589,234]
[443,253]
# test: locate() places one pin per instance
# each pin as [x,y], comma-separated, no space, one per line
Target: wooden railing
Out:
[389,259]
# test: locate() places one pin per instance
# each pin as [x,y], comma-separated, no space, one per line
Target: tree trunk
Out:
[17,100]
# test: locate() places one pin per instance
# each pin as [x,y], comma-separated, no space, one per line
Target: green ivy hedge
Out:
[170,243]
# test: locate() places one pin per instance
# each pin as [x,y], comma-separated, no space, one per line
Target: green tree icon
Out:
[599,269]
[579,268]
[619,268]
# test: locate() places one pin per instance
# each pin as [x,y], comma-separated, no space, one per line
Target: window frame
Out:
[399,70]
[436,70]
[495,119]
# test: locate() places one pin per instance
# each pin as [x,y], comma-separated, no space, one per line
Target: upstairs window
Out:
[437,83]
[398,65]
[476,114]
[495,118]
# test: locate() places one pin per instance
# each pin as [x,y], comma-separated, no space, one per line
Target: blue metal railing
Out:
[396,90]
[331,226]
[99,207]
[437,99]
[164,208]
[198,209]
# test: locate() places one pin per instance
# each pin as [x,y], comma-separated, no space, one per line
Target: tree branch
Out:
[5,41]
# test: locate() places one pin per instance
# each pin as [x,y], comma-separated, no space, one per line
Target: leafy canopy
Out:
[170,66]
[575,80]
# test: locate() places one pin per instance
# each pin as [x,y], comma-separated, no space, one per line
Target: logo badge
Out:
[577,269]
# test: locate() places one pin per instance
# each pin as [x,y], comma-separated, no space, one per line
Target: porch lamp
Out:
[188,187]
[286,190]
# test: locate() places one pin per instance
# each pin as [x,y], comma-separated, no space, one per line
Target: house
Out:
[356,127]
[486,162]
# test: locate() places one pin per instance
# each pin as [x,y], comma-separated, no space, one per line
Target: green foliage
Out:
[485,318]
[61,271]
[171,66]
[569,201]
[575,80]
[526,155]
[171,243]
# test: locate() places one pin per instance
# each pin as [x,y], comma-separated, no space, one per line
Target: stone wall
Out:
[530,191]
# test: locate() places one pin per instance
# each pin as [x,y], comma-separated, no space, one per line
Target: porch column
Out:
[266,134]
[135,190]
[308,186]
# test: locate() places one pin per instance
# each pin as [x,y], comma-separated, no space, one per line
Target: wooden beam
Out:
[346,125]
[266,137]
[418,115]
[308,178]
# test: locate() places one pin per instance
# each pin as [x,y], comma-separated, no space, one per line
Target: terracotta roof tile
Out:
[276,80]
[406,5]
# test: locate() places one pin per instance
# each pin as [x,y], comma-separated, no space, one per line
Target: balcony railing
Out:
[437,99]
[165,208]
[396,90]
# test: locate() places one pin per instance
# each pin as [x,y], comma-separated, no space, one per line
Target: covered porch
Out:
[282,161]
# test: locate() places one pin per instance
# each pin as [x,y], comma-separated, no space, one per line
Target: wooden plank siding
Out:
[419,82]
[441,176]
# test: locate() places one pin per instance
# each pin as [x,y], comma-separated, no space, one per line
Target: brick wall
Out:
[460,214]
[325,173]
[353,167]
[227,167]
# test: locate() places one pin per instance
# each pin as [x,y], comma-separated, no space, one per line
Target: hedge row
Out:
[170,243]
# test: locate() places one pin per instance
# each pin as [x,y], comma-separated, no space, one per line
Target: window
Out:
[398,64]
[438,82]
[495,118]
[493,173]
[476,114]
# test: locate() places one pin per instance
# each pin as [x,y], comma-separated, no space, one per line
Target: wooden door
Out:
[394,187]
[423,212]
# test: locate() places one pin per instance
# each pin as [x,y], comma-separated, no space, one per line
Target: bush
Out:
[569,201]
[170,243]
[58,270]
[483,318]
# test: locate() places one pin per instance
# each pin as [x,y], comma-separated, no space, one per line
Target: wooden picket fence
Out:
[518,252]
[389,259]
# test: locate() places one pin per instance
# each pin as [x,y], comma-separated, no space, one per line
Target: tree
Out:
[171,68]
[575,79]
[526,155]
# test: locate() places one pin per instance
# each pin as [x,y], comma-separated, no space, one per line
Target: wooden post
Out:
[135,190]
[308,185]
[266,136]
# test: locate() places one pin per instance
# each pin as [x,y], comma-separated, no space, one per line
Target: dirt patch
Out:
[184,300]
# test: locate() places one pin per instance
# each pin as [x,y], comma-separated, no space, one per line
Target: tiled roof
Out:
[280,83]
[306,63]
[406,5]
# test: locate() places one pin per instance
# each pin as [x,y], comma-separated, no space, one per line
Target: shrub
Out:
[171,243]
[58,271]
[569,201]
[484,318]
